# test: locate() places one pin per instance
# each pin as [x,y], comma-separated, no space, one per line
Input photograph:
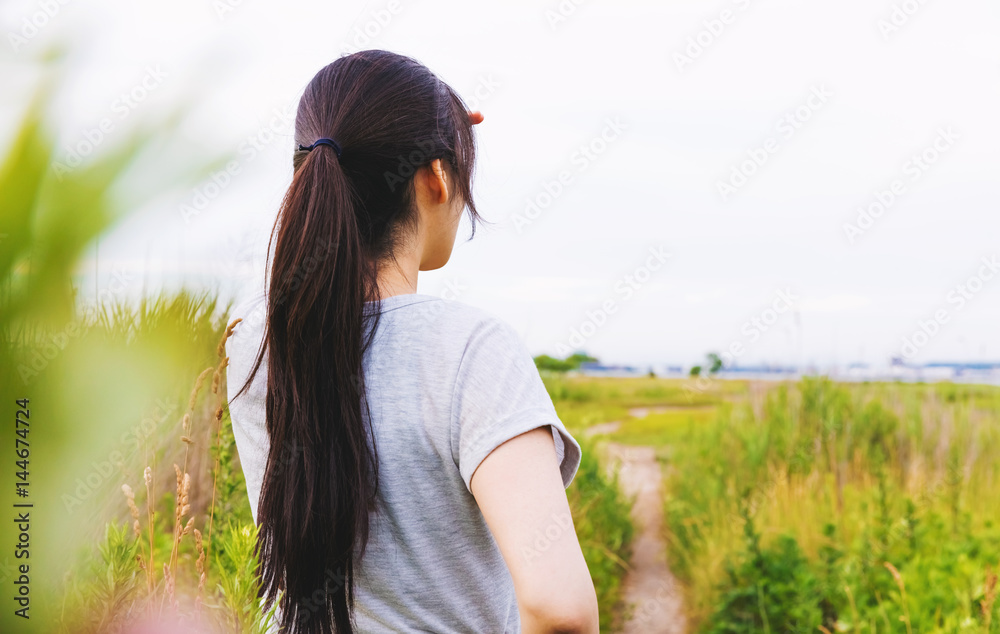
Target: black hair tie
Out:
[323,141]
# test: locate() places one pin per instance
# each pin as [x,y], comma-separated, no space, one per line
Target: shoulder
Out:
[434,317]
[490,349]
[480,326]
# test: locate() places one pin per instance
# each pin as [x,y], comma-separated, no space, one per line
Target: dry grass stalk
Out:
[186,421]
[986,605]
[147,476]
[197,387]
[217,375]
[902,592]
[180,510]
[220,351]
[132,509]
[200,565]
[137,530]
[169,588]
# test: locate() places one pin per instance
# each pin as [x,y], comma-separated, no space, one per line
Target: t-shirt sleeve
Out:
[499,395]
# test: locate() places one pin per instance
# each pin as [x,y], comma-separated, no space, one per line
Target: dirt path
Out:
[651,592]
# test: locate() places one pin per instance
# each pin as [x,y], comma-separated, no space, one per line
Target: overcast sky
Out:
[696,168]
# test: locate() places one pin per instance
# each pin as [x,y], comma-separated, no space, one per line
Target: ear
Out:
[438,181]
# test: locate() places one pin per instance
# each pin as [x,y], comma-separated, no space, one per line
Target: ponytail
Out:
[314,508]
[338,220]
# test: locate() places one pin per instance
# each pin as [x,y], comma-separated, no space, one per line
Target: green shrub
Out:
[771,589]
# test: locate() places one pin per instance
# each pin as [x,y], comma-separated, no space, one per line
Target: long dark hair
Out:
[338,221]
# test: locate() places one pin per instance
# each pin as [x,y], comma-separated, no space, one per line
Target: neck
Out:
[398,276]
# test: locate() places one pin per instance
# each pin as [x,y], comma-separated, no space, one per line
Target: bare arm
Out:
[521,495]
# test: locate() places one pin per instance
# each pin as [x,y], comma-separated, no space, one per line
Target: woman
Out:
[404,462]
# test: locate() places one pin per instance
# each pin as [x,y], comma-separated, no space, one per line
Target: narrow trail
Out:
[651,593]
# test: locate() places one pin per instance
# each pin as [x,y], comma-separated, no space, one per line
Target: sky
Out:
[780,182]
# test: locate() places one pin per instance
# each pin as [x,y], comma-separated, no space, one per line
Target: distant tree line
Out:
[572,362]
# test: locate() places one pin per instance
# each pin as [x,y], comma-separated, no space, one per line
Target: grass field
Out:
[817,506]
[789,507]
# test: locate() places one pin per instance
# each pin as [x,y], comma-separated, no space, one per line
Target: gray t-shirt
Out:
[447,383]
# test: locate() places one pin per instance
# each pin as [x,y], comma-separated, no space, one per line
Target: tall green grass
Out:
[604,528]
[817,506]
[105,386]
[856,508]
[151,485]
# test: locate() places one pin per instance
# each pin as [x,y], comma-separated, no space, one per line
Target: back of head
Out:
[390,115]
[349,206]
